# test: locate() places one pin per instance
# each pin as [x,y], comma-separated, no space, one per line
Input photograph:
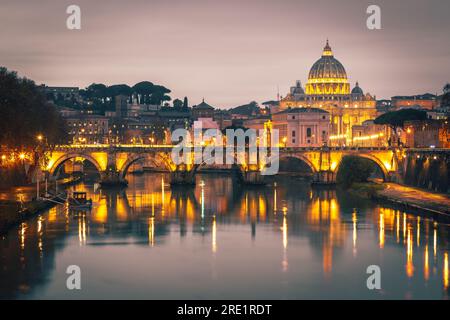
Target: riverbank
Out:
[14,212]
[405,197]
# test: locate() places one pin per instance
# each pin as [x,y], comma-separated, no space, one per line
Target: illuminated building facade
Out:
[328,88]
[88,129]
[302,127]
[370,134]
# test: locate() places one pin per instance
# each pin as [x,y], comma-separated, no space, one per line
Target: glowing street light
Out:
[40,137]
[22,156]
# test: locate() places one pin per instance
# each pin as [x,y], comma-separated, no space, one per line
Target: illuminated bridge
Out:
[113,161]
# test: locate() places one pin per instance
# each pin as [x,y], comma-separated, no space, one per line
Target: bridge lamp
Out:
[22,156]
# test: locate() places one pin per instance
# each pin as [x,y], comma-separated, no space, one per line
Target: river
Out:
[218,240]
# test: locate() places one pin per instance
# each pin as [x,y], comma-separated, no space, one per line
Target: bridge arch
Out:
[159,160]
[300,157]
[62,159]
[379,163]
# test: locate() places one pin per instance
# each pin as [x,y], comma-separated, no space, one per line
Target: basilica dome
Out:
[327,76]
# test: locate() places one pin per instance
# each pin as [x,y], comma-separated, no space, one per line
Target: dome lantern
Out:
[327,52]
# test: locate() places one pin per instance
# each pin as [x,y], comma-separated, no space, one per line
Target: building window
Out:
[308,133]
[293,133]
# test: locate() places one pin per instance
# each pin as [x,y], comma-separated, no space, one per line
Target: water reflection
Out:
[322,239]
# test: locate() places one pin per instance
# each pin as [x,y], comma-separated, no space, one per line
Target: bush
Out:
[354,169]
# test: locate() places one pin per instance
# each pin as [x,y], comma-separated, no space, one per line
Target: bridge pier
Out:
[112,178]
[182,177]
[324,177]
[251,177]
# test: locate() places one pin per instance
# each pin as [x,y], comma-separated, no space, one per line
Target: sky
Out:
[229,52]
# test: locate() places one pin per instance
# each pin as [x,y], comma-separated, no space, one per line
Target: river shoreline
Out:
[12,213]
[405,197]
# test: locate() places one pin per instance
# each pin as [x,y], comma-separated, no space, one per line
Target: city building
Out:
[272,105]
[369,134]
[223,118]
[88,129]
[302,127]
[174,118]
[424,101]
[257,123]
[426,134]
[121,103]
[202,110]
[55,93]
[328,88]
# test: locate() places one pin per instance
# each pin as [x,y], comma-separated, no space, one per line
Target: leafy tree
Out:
[118,89]
[354,169]
[445,102]
[159,95]
[396,119]
[177,103]
[25,114]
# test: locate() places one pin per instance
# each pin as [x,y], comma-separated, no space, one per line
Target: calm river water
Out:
[219,240]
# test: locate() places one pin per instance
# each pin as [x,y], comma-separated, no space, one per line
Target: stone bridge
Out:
[113,162]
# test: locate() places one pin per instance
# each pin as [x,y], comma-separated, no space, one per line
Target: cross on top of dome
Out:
[327,50]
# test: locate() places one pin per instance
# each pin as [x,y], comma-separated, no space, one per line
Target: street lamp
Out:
[40,137]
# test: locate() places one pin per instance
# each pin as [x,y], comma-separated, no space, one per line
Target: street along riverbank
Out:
[405,197]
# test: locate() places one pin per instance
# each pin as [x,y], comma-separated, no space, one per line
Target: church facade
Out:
[328,88]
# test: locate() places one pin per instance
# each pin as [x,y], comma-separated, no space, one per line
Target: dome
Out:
[327,76]
[297,89]
[357,90]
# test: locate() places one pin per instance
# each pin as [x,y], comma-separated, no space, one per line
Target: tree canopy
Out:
[353,169]
[396,119]
[25,114]
[102,96]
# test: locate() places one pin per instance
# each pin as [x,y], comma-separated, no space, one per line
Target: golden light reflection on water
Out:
[355,231]
[82,229]
[151,231]
[445,270]
[381,232]
[154,207]
[426,267]
[409,255]
[214,235]
[323,216]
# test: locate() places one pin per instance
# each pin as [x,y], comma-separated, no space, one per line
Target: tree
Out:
[159,95]
[445,101]
[144,90]
[177,103]
[396,119]
[354,169]
[25,114]
[185,103]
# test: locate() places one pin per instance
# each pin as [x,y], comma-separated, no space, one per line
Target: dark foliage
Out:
[25,114]
[354,169]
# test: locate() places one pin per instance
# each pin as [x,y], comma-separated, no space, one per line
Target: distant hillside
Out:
[249,109]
